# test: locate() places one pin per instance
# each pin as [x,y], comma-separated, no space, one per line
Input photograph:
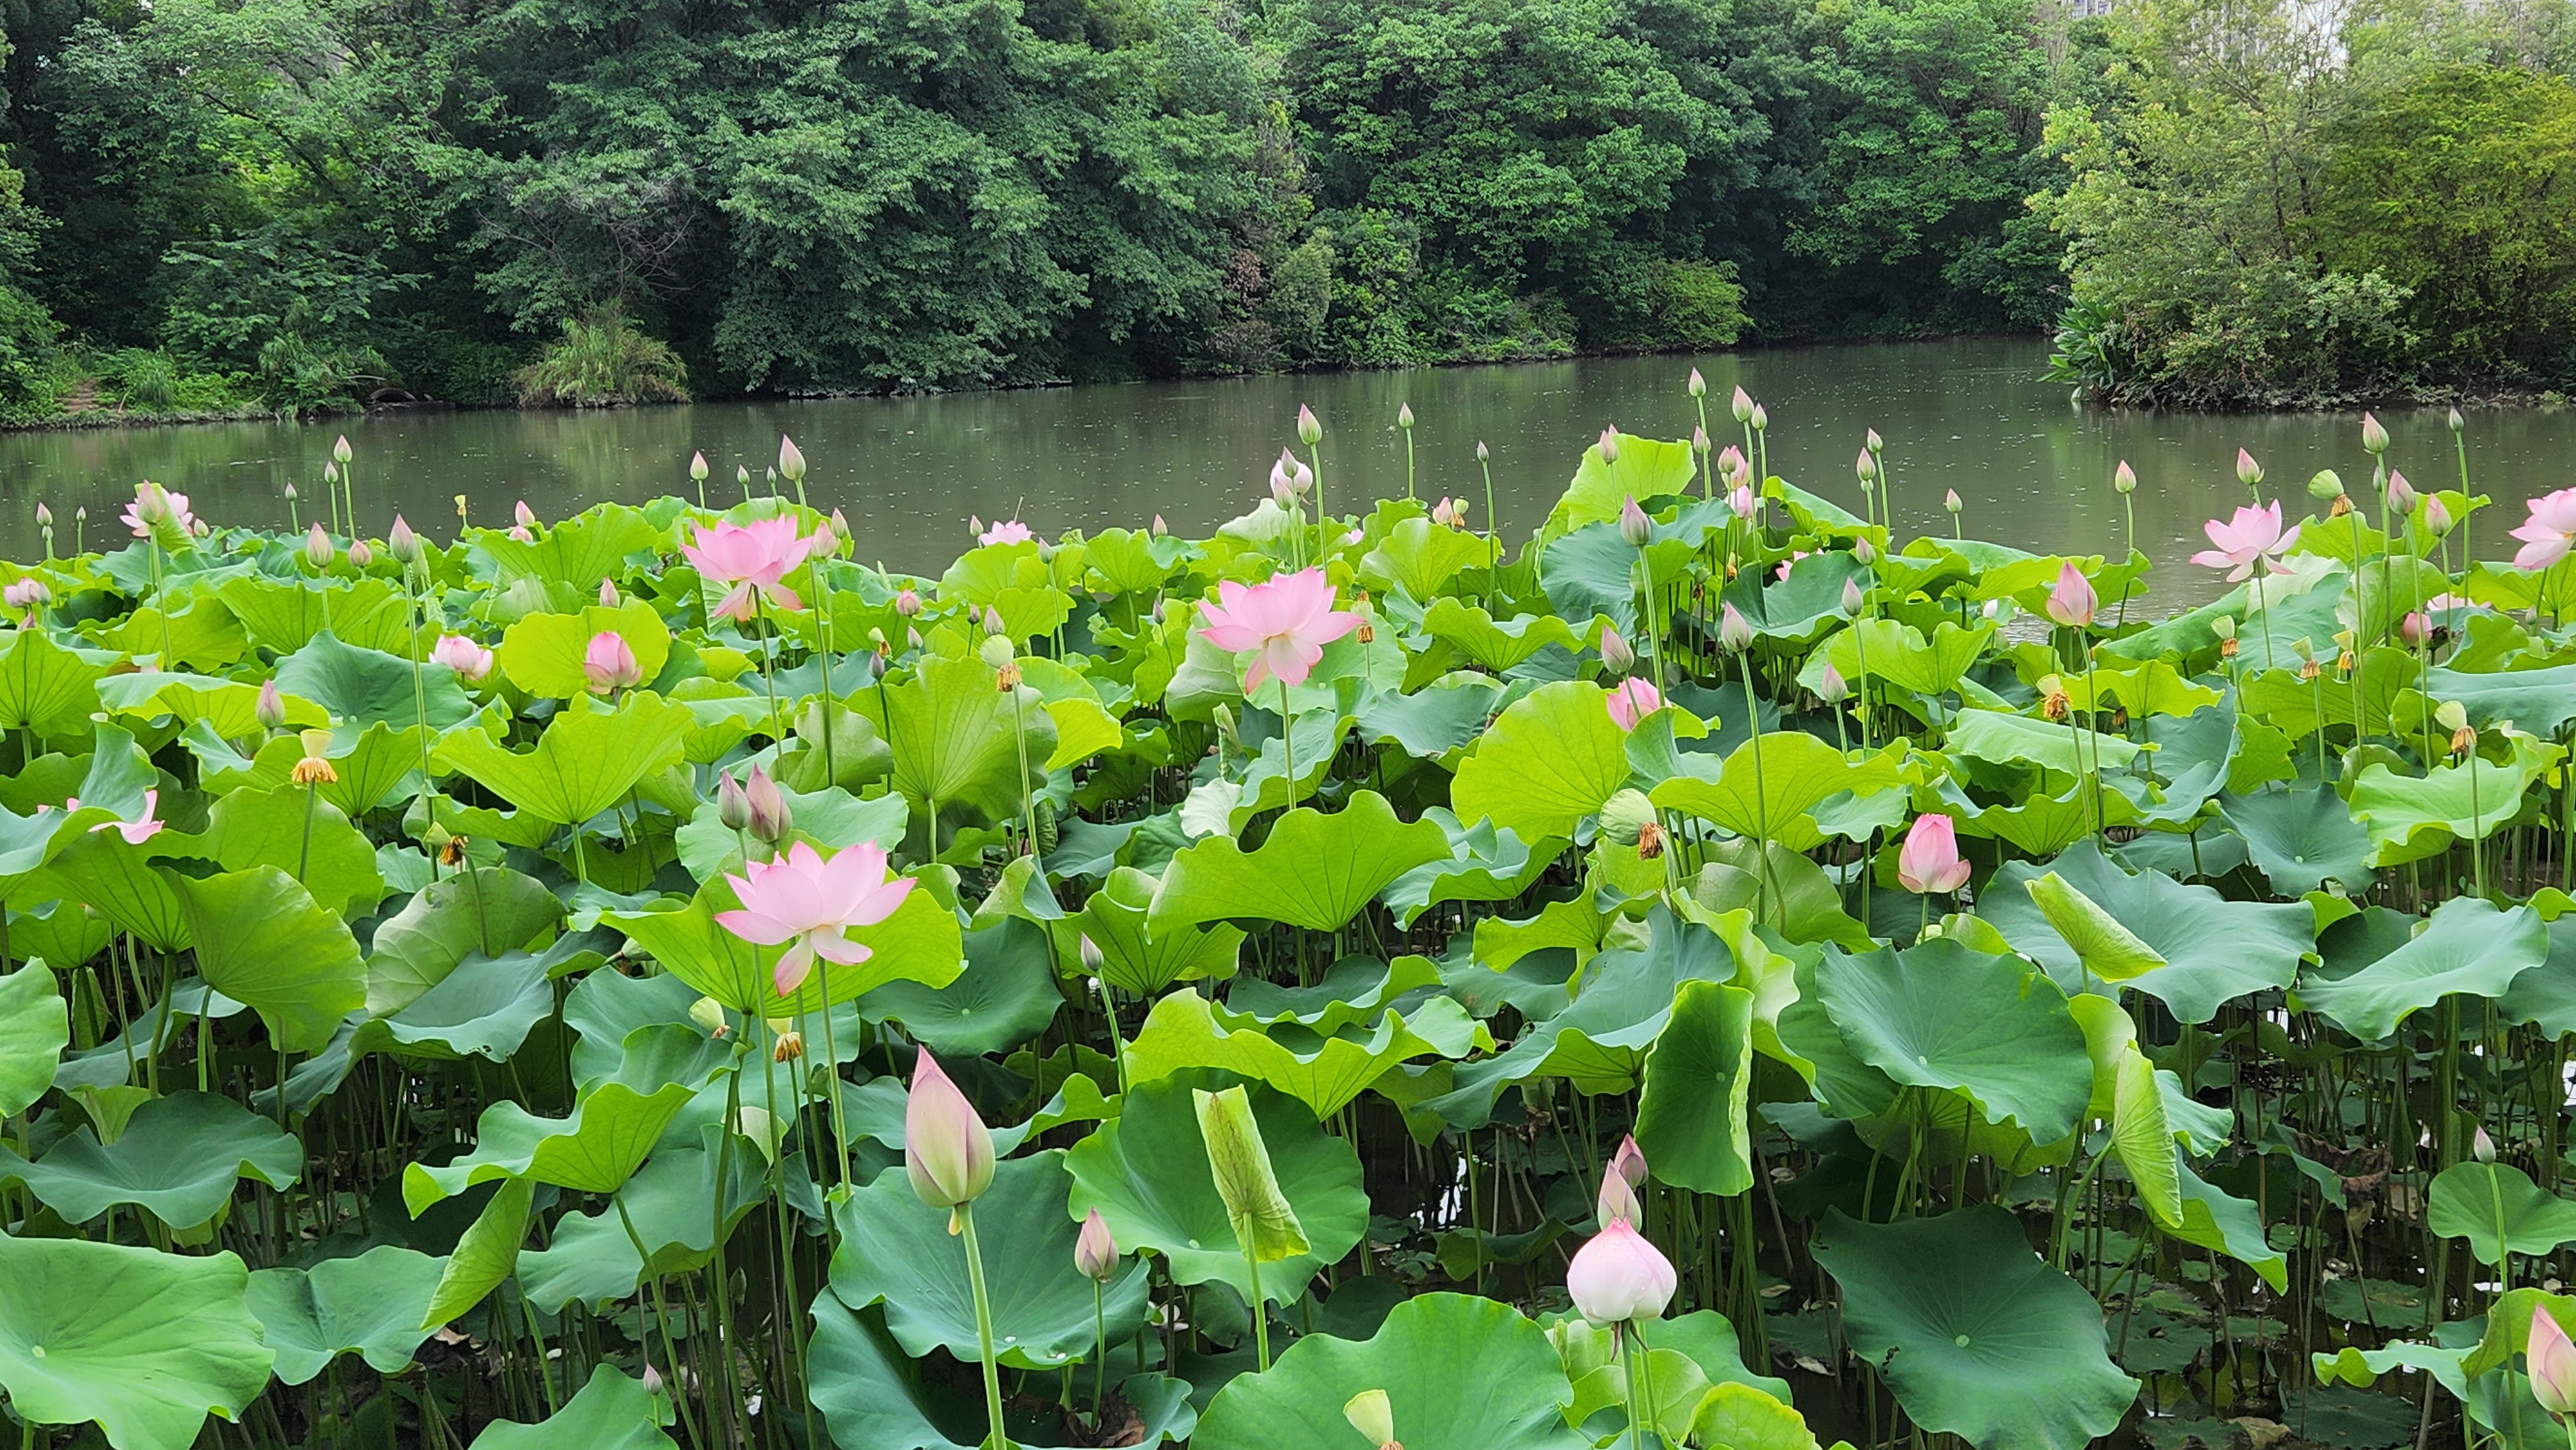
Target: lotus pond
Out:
[1707,974]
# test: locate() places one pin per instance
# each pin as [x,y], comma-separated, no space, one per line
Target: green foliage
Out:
[603,361]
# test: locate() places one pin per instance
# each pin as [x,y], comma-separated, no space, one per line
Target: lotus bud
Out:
[771,819]
[1095,1253]
[1226,731]
[1618,1278]
[608,593]
[1609,445]
[708,1013]
[1090,954]
[317,547]
[2482,1147]
[2124,479]
[2374,435]
[2401,495]
[1729,459]
[1404,416]
[2415,629]
[1159,531]
[1739,501]
[2456,421]
[28,595]
[1625,814]
[1760,420]
[360,556]
[341,452]
[1310,429]
[733,807]
[1698,385]
[1831,687]
[271,709]
[788,1047]
[2248,472]
[1743,406]
[45,516]
[791,460]
[1482,454]
[1699,439]
[522,515]
[840,531]
[1617,655]
[1853,599]
[1867,468]
[290,493]
[1734,632]
[1368,1411]
[2072,602]
[1864,553]
[907,602]
[698,467]
[2436,517]
[2551,1360]
[1634,526]
[992,622]
[609,664]
[1875,443]
[1951,502]
[947,1151]
[742,478]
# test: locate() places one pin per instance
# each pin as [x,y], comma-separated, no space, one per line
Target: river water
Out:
[2032,469]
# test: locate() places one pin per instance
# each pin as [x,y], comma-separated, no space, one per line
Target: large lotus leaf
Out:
[2467,947]
[100,870]
[1548,761]
[364,687]
[2546,995]
[370,1305]
[1949,1016]
[612,1412]
[920,942]
[1639,468]
[490,913]
[1795,609]
[897,1252]
[1133,958]
[2001,739]
[542,653]
[2499,1210]
[2214,949]
[1460,1373]
[179,1157]
[872,1396]
[1006,995]
[1889,652]
[595,1150]
[46,688]
[1768,785]
[2410,817]
[1351,993]
[589,757]
[34,1030]
[1691,1115]
[1315,870]
[830,818]
[146,1343]
[1486,863]
[484,1008]
[370,762]
[2220,1221]
[1445,715]
[308,838]
[263,941]
[2299,707]
[670,1204]
[579,552]
[1323,1072]
[283,615]
[229,707]
[2540,701]
[956,736]
[1975,1334]
[486,1255]
[2301,837]
[1497,645]
[1419,557]
[2105,948]
[1147,1172]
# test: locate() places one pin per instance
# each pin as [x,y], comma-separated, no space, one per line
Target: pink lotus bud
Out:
[401,542]
[1864,553]
[1739,501]
[1951,502]
[1619,1184]
[2248,472]
[2482,1147]
[271,709]
[2436,517]
[1159,530]
[1875,443]
[1734,632]
[1095,1253]
[2124,479]
[1729,459]
[1929,863]
[1853,599]
[1760,420]
[907,602]
[2401,495]
[791,460]
[2072,602]
[1618,1278]
[770,818]
[1699,439]
[317,547]
[947,1151]
[341,452]
[2415,629]
[1404,416]
[360,556]
[1310,429]
[2374,434]
[1632,700]
[698,467]
[525,517]
[608,593]
[1867,468]
[2456,421]
[1609,445]
[733,808]
[519,533]
[2551,1361]
[1634,526]
[1617,655]
[1698,385]
[28,594]
[609,664]
[45,516]
[1831,687]
[1743,406]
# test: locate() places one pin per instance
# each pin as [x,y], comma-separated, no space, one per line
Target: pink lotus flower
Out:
[1289,619]
[471,662]
[2549,532]
[2252,537]
[1739,501]
[135,832]
[609,664]
[2072,602]
[2551,1360]
[29,594]
[1008,531]
[154,504]
[1634,700]
[752,558]
[947,1150]
[1617,1277]
[522,515]
[813,901]
[1929,864]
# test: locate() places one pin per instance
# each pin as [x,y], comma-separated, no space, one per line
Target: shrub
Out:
[603,361]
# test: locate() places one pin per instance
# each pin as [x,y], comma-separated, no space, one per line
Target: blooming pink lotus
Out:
[752,558]
[2549,532]
[812,901]
[28,594]
[1008,531]
[609,664]
[1929,864]
[1634,700]
[2252,537]
[947,1150]
[135,832]
[1617,1277]
[1288,619]
[154,504]
[471,662]
[2552,1362]
[2072,602]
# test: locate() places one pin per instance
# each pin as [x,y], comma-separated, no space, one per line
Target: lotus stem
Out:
[997,1438]
[1099,1350]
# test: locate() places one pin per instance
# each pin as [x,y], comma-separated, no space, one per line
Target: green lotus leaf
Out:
[830,818]
[2410,817]
[595,1150]
[1987,1341]
[2302,837]
[363,687]
[1769,783]
[1315,870]
[147,1344]
[2499,1210]
[2000,739]
[2153,687]
[1486,863]
[1459,1373]
[1147,1172]
[2300,707]
[370,761]
[485,1007]
[283,615]
[1351,993]
[310,840]
[671,1204]
[1548,761]
[370,1306]
[2214,949]
[1888,652]
[1576,924]
[2546,995]
[1794,610]
[612,1412]
[872,1396]
[486,1254]
[229,707]
[1005,995]
[1136,958]
[203,636]
[491,913]
[263,941]
[957,738]
[542,653]
[1445,715]
[2360,1367]
[1948,1016]
[896,1252]
[1691,1115]
[1641,468]
[34,1030]
[2126,1091]
[1325,1072]
[2467,946]
[1420,557]
[589,757]
[920,942]
[1497,645]
[100,870]
[2105,948]
[2540,701]
[2233,1226]
[46,688]
[1132,561]
[578,552]
[178,1157]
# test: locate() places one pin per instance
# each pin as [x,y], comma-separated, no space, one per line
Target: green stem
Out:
[1260,1312]
[965,1218]
[1100,1344]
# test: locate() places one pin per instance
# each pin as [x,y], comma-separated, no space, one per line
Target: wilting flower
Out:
[752,558]
[812,901]
[2252,536]
[947,1150]
[1929,864]
[2072,602]
[135,832]
[1617,1277]
[2549,532]
[471,662]
[1006,531]
[1095,1253]
[1370,1411]
[2552,1363]
[1633,700]
[1288,619]
[609,664]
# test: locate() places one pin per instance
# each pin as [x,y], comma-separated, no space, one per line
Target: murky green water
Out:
[1971,416]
